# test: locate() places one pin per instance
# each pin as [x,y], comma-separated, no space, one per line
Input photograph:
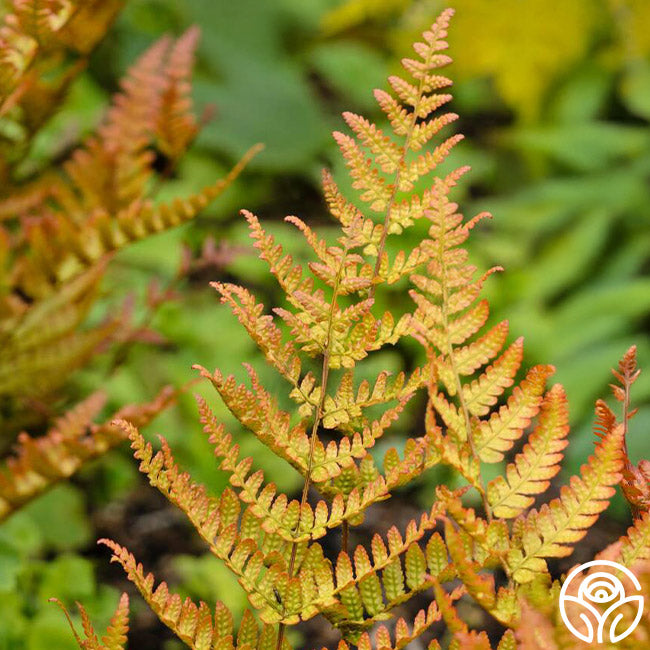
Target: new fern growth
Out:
[477,412]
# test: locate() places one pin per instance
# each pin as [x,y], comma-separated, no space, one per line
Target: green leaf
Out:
[68,577]
[635,88]
[61,519]
[350,68]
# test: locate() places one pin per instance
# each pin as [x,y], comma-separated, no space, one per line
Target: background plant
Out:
[64,216]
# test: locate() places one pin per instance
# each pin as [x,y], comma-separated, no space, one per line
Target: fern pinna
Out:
[273,543]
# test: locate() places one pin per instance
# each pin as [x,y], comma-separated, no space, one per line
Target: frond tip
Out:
[116,634]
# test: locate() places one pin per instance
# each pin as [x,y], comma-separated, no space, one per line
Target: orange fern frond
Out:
[115,637]
[176,126]
[388,174]
[195,625]
[39,463]
[480,406]
[636,478]
[536,631]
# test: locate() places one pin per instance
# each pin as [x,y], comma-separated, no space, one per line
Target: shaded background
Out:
[555,101]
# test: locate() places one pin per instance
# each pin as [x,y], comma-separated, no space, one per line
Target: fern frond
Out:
[115,637]
[345,409]
[194,625]
[498,434]
[370,589]
[635,545]
[77,246]
[636,478]
[89,23]
[263,331]
[258,559]
[384,176]
[560,524]
[258,411]
[67,223]
[480,587]
[482,393]
[37,36]
[290,277]
[176,126]
[291,520]
[532,469]
[39,463]
[22,374]
[476,411]
[535,631]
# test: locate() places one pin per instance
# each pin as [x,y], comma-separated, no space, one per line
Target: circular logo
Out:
[601,602]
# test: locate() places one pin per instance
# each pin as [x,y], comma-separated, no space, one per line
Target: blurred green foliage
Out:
[38,560]
[555,99]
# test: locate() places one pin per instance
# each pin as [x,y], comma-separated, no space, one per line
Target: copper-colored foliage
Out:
[479,410]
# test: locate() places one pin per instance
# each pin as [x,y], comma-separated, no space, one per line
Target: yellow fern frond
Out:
[498,434]
[635,545]
[533,468]
[402,635]
[560,524]
[482,393]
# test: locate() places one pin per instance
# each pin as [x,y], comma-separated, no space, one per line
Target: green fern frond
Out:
[403,632]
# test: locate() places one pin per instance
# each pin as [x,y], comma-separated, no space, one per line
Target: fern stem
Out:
[280,641]
[459,387]
[327,352]
[626,409]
